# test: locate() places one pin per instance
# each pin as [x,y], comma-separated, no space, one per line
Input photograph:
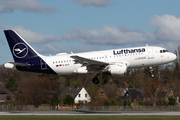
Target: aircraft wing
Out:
[87,62]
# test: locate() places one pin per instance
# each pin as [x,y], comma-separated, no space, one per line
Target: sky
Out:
[58,26]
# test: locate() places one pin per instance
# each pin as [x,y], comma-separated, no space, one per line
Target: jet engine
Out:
[116,69]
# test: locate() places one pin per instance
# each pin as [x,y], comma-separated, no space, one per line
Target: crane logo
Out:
[20,50]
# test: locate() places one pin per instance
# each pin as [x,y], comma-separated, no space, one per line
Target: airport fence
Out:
[88,108]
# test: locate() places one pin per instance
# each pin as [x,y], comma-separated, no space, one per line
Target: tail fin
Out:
[20,49]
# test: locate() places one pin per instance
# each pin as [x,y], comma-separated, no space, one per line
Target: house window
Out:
[101,93]
[85,95]
[79,95]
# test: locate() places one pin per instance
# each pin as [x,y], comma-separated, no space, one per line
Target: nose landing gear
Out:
[151,70]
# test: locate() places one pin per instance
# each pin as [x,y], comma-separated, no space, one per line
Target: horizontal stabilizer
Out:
[19,64]
[12,65]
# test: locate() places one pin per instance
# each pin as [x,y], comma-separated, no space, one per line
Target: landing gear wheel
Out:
[152,75]
[95,80]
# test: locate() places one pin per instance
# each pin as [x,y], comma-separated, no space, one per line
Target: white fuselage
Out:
[135,57]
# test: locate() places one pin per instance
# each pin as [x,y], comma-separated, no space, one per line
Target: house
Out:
[132,94]
[78,93]
[164,95]
[5,94]
[108,92]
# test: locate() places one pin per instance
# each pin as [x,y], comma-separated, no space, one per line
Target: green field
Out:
[89,117]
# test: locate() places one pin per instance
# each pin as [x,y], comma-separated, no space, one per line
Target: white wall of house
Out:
[82,96]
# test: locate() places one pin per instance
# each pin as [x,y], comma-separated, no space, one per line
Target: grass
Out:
[34,117]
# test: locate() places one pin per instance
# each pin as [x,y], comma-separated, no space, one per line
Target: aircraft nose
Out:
[173,57]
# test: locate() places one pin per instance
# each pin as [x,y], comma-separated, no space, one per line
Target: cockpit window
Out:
[163,51]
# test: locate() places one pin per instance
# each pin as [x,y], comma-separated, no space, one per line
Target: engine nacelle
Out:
[10,66]
[117,70]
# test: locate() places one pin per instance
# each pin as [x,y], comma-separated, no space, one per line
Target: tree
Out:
[176,72]
[78,82]
[172,101]
[34,91]
[69,100]
[11,84]
[55,101]
[73,84]
[67,81]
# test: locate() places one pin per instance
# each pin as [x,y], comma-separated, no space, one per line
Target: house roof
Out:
[134,93]
[164,94]
[4,90]
[73,91]
[110,90]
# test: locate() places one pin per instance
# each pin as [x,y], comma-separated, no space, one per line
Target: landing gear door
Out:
[43,65]
[150,53]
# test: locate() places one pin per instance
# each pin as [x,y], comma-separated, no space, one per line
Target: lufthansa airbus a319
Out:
[115,61]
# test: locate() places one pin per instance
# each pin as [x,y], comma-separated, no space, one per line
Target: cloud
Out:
[167,27]
[61,48]
[96,3]
[165,34]
[30,36]
[9,6]
[108,36]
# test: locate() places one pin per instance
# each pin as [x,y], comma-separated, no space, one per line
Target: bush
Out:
[107,102]
[55,101]
[172,101]
[127,102]
[69,100]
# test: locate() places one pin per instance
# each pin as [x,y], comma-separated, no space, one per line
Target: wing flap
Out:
[87,62]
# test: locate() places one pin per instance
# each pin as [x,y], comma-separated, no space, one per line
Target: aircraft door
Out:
[150,53]
[43,64]
[106,58]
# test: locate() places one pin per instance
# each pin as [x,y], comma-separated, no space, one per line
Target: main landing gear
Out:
[95,80]
[151,70]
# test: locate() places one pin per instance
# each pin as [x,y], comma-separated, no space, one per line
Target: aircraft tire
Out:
[95,80]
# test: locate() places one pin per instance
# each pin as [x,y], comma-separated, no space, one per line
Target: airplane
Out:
[115,61]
